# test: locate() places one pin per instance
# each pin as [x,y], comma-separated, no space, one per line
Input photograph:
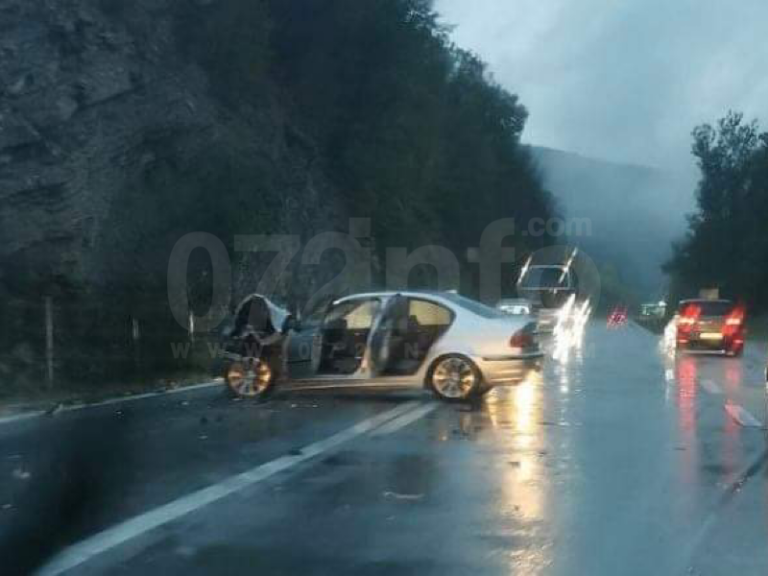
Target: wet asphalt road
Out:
[619,460]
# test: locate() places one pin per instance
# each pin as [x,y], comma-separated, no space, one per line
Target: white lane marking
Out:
[711,387]
[404,420]
[713,516]
[21,417]
[742,416]
[110,538]
[110,401]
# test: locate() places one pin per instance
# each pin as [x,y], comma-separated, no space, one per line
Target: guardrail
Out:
[53,342]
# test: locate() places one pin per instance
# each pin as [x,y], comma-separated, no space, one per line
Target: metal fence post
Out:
[136,341]
[191,327]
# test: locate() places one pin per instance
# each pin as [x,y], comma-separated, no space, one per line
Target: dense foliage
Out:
[298,115]
[414,132]
[727,244]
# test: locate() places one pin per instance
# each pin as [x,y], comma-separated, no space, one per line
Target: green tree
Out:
[726,244]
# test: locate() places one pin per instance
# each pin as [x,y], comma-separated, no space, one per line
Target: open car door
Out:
[384,333]
[336,340]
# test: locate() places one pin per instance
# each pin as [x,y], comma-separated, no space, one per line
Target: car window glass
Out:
[429,313]
[547,277]
[474,306]
[358,314]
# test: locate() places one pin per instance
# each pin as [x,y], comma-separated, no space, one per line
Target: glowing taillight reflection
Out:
[569,329]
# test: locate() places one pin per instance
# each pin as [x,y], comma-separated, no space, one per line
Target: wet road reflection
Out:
[709,392]
[647,472]
[614,460]
[523,487]
[568,335]
[687,385]
[685,375]
[532,423]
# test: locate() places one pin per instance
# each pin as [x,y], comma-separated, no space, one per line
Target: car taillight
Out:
[734,321]
[521,339]
[689,317]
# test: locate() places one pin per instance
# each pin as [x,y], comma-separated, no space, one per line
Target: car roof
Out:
[434,295]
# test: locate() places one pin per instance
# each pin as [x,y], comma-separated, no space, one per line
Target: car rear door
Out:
[381,343]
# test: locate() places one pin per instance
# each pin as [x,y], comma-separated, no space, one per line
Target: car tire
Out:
[250,379]
[455,378]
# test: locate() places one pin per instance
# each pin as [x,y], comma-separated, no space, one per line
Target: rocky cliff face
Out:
[108,122]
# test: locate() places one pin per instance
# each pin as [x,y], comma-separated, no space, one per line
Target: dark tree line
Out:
[727,241]
[415,133]
[369,100]
[410,130]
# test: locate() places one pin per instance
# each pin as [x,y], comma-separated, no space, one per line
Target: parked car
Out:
[711,326]
[456,347]
[515,306]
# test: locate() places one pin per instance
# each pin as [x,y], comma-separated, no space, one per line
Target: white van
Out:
[548,288]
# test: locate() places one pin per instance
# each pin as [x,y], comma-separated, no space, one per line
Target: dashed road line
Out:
[404,420]
[742,416]
[78,554]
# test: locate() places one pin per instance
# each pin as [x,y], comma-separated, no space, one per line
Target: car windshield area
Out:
[546,278]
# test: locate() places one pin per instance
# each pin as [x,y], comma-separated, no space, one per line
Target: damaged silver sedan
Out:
[454,346]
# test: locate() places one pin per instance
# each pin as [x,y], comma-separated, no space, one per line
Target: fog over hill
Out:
[636,212]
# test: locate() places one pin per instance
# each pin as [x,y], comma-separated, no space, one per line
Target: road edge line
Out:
[108,402]
[85,550]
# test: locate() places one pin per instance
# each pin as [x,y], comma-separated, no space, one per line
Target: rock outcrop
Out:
[100,102]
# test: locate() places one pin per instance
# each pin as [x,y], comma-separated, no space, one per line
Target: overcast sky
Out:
[624,80]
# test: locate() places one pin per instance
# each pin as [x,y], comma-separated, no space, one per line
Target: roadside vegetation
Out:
[380,114]
[727,241]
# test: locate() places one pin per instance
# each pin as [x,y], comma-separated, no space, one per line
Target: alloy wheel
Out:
[454,378]
[250,378]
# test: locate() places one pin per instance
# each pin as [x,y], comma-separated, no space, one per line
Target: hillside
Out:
[636,212]
[125,126]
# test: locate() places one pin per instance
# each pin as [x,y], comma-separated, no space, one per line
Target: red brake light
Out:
[734,321]
[521,339]
[689,316]
[692,312]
